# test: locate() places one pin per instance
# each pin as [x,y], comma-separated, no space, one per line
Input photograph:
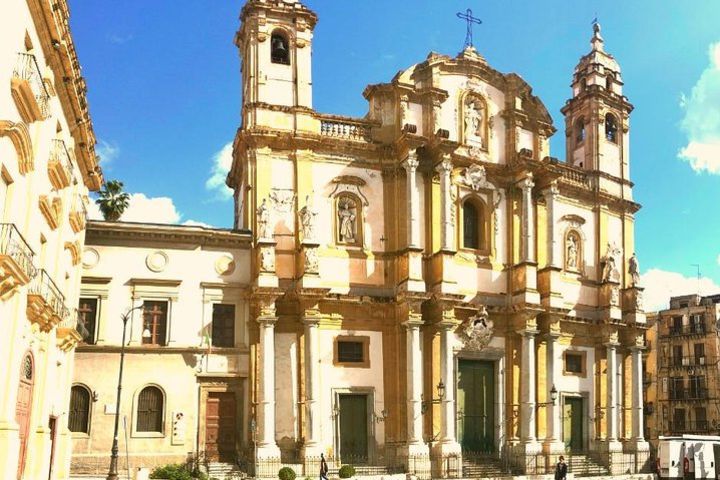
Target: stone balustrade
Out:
[345,128]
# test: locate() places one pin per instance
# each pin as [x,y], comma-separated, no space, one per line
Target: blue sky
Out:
[164,92]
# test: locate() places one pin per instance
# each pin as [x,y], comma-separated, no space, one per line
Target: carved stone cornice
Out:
[100,232]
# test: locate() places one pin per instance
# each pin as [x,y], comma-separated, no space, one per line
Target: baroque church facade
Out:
[419,286]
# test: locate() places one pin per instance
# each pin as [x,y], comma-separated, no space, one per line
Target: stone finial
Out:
[597,42]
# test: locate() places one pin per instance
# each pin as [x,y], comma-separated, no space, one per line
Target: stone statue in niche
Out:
[474,121]
[634,270]
[347,220]
[572,252]
[308,217]
[610,272]
[263,219]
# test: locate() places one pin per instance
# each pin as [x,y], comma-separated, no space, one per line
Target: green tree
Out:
[113,200]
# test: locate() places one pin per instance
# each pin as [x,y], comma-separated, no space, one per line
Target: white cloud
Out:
[118,39]
[150,210]
[107,152]
[94,211]
[660,285]
[194,223]
[222,161]
[702,118]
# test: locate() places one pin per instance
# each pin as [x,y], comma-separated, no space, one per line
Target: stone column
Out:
[528,398]
[413,212]
[312,447]
[612,398]
[448,444]
[447,234]
[528,219]
[638,425]
[553,442]
[267,447]
[417,451]
[554,258]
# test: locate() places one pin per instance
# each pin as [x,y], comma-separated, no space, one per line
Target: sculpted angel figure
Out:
[473,122]
[634,270]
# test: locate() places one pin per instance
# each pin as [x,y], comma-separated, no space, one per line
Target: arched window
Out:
[573,251]
[609,82]
[279,48]
[579,130]
[611,128]
[474,225]
[150,410]
[583,85]
[348,219]
[79,415]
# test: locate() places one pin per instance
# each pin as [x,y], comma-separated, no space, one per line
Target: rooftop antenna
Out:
[468,17]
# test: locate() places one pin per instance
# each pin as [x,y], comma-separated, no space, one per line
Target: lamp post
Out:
[113,472]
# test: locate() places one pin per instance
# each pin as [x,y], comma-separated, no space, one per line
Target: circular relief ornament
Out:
[90,258]
[225,265]
[157,261]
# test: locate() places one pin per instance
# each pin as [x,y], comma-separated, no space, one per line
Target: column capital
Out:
[445,166]
[526,183]
[413,322]
[267,320]
[411,162]
[552,191]
[311,320]
[528,332]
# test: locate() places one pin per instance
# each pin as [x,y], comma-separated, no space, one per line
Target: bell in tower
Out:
[280,52]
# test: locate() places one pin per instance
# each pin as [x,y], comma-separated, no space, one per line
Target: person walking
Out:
[561,469]
[323,468]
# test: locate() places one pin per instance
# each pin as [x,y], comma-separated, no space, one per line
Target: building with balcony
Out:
[685,360]
[188,353]
[47,166]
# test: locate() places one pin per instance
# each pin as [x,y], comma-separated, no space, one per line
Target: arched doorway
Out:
[23,409]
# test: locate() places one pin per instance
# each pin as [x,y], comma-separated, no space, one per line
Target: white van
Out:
[689,457]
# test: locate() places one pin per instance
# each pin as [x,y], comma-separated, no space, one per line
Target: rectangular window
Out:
[677,355]
[676,326]
[699,349]
[223,325]
[679,420]
[698,324]
[87,319]
[574,363]
[352,351]
[154,323]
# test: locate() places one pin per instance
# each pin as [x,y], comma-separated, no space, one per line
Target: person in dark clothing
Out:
[323,468]
[561,469]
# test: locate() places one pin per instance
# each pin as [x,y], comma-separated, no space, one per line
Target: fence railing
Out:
[61,155]
[44,287]
[689,393]
[697,426]
[26,68]
[698,328]
[688,361]
[13,245]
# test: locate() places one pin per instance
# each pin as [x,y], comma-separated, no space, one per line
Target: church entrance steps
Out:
[224,471]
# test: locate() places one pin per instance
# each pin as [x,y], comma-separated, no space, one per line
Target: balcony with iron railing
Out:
[78,214]
[71,331]
[60,166]
[45,305]
[689,394]
[696,328]
[692,361]
[697,426]
[16,260]
[28,89]
[345,128]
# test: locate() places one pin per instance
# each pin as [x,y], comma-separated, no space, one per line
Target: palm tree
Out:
[113,200]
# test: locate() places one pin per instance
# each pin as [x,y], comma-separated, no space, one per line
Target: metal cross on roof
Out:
[468,17]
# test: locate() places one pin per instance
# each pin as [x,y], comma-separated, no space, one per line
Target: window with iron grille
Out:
[350,352]
[79,414]
[154,322]
[87,315]
[150,410]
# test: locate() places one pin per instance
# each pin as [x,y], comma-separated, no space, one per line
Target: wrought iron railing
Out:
[27,69]
[14,246]
[696,328]
[347,129]
[697,426]
[691,361]
[60,154]
[44,287]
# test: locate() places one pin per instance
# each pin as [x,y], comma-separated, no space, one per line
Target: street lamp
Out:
[553,398]
[113,472]
[425,404]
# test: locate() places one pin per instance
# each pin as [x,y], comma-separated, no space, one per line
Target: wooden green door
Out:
[353,428]
[573,423]
[476,401]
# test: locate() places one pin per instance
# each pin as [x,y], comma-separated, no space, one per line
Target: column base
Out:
[612,446]
[446,459]
[310,454]
[640,445]
[531,447]
[267,461]
[554,447]
[416,457]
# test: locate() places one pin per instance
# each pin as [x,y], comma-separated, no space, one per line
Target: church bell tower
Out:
[275,43]
[597,115]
